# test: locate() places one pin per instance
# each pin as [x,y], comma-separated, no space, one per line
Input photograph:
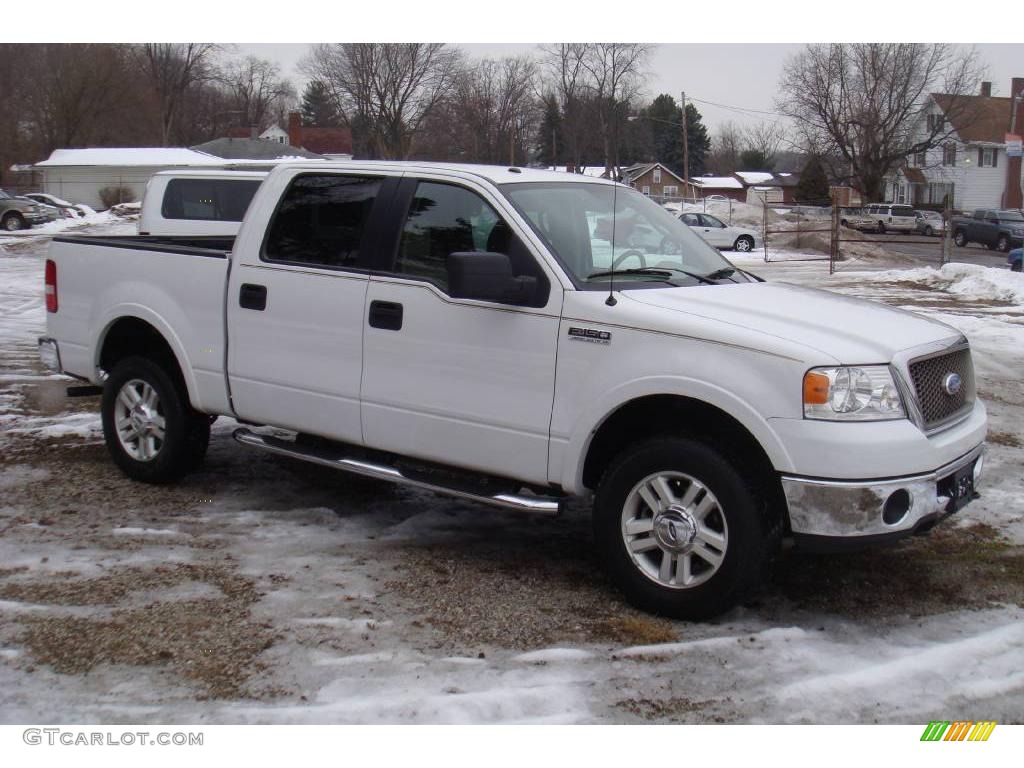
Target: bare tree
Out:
[865,102]
[385,91]
[766,139]
[256,90]
[171,69]
[617,75]
[726,146]
[568,80]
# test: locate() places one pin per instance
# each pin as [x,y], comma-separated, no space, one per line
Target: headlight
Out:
[865,393]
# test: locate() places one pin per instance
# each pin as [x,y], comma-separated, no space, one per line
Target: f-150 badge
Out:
[591,335]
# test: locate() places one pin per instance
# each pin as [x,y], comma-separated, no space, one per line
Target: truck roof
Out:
[497,174]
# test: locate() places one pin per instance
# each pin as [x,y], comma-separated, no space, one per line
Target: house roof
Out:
[253,149]
[129,156]
[634,172]
[717,182]
[755,177]
[976,118]
[915,175]
[327,141]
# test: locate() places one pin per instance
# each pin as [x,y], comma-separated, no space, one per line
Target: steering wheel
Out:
[669,246]
[626,254]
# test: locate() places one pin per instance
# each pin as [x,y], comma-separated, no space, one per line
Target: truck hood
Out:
[849,330]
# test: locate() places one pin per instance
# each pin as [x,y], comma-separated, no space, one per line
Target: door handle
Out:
[386,315]
[252,296]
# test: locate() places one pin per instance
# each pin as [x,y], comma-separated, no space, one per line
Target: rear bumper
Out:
[49,354]
[843,514]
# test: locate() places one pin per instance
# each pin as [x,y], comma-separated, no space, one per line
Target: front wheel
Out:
[150,429]
[1004,244]
[881,228]
[960,238]
[744,244]
[12,222]
[928,232]
[680,530]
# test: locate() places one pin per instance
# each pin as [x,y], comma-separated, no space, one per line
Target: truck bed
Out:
[174,284]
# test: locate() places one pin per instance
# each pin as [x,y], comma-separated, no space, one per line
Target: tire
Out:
[710,528]
[960,238]
[744,244]
[928,232]
[1003,244]
[881,228]
[12,222]
[1016,266]
[150,429]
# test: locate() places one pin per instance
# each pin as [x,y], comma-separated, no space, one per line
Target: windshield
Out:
[576,221]
[1010,216]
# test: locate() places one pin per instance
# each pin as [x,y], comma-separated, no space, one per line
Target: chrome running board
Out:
[541,505]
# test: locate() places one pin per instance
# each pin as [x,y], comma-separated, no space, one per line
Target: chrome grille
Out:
[929,374]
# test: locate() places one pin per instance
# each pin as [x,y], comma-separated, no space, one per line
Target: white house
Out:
[79,175]
[971,167]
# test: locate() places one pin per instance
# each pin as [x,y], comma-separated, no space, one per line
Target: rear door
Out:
[295,304]
[459,381]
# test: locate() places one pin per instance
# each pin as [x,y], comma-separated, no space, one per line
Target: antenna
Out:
[611,301]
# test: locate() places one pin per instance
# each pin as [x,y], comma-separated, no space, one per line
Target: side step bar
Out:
[542,505]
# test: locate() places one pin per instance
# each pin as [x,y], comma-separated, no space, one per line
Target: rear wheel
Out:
[744,244]
[151,431]
[680,530]
[12,222]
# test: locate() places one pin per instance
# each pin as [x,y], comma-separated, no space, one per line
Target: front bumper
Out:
[845,514]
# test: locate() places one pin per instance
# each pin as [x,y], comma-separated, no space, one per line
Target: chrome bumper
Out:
[856,511]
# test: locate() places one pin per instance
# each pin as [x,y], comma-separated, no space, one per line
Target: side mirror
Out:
[487,276]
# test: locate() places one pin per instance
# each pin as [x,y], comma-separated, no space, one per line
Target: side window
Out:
[208,199]
[445,219]
[711,221]
[320,221]
[690,219]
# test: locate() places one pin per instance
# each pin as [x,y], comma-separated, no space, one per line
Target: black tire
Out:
[928,232]
[753,536]
[1003,244]
[12,222]
[881,228]
[186,433]
[1016,266]
[960,238]
[744,244]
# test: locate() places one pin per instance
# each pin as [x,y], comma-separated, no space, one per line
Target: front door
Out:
[295,306]
[462,382]
[714,231]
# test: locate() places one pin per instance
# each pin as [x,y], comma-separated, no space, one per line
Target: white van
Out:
[197,203]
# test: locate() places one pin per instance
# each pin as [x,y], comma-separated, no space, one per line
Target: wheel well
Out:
[132,337]
[657,415]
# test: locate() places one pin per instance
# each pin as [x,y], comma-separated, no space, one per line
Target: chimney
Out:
[295,129]
[986,88]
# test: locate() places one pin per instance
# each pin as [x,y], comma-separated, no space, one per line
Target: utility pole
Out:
[686,143]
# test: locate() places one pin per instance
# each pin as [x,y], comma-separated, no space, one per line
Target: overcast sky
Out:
[741,75]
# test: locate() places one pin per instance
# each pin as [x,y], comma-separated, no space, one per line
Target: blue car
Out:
[1014,259]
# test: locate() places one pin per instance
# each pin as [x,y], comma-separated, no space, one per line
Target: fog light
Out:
[896,506]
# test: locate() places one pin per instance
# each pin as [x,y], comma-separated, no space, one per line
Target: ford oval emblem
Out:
[952,383]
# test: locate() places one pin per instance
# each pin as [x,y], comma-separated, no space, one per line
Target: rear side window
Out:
[208,199]
[321,220]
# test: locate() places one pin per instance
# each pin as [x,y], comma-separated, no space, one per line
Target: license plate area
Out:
[958,488]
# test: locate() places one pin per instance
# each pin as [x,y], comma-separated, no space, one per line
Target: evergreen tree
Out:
[813,187]
[755,160]
[318,107]
[664,118]
[552,150]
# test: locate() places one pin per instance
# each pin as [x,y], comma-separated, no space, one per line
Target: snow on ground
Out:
[262,590]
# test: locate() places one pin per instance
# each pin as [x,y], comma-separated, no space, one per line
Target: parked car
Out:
[18,214]
[468,330]
[1014,259]
[719,234]
[717,199]
[930,223]
[49,212]
[886,217]
[999,230]
[68,210]
[210,203]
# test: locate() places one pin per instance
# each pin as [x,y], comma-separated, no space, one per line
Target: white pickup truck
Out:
[519,337]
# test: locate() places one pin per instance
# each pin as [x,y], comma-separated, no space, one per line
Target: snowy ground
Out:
[262,590]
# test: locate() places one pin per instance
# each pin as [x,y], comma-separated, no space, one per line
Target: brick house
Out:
[333,143]
[655,180]
[973,167]
[726,186]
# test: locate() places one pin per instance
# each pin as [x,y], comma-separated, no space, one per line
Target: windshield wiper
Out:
[661,272]
[721,274]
